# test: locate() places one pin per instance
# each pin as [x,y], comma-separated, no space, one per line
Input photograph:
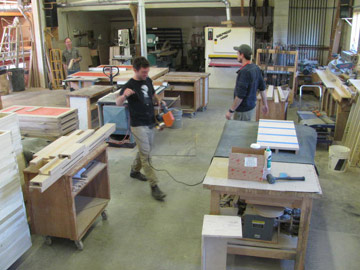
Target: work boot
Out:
[137,175]
[157,193]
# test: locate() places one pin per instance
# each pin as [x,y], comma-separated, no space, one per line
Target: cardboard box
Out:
[246,164]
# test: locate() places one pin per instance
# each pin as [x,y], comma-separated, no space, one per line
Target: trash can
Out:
[177,113]
[338,158]
[17,79]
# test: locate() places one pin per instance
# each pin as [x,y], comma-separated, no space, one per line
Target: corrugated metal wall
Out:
[307,27]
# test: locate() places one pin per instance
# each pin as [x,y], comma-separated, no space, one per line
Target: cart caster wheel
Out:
[192,115]
[104,215]
[48,240]
[79,244]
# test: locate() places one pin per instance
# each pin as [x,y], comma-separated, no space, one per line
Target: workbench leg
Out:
[88,108]
[306,208]
[214,253]
[215,203]
[342,115]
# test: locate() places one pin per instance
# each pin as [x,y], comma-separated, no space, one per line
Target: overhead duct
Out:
[89,3]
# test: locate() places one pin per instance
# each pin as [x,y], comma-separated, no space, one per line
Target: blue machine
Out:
[119,115]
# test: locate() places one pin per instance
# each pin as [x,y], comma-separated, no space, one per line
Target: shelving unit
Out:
[188,88]
[66,211]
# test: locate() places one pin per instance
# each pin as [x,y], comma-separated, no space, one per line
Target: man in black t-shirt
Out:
[248,81]
[139,93]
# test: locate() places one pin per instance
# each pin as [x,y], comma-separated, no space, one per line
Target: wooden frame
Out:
[284,194]
[292,69]
[85,101]
[62,212]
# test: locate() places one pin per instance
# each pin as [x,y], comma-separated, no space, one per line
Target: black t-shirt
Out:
[140,104]
[248,81]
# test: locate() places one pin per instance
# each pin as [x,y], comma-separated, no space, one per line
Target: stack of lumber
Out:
[14,231]
[10,122]
[45,122]
[351,137]
[59,157]
[277,99]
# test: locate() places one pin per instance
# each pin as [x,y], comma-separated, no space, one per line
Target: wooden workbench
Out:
[87,78]
[62,211]
[204,81]
[189,89]
[336,100]
[85,101]
[297,194]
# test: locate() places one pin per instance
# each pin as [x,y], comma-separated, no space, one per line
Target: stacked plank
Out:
[10,122]
[351,136]
[59,157]
[14,231]
[45,122]
[277,99]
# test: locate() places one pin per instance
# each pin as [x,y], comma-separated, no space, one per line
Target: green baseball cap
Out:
[245,49]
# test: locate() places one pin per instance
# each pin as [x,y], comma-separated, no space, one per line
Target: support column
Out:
[37,10]
[281,19]
[142,24]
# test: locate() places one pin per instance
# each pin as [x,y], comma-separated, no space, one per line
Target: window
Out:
[355,32]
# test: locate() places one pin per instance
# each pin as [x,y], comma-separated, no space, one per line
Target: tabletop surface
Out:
[217,178]
[91,91]
[244,133]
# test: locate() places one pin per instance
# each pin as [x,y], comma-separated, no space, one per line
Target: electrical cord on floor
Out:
[167,172]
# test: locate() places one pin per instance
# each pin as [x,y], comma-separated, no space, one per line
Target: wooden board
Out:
[90,92]
[217,178]
[14,231]
[55,160]
[270,92]
[10,121]
[278,135]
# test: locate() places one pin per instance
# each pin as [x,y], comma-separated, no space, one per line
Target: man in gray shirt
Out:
[71,58]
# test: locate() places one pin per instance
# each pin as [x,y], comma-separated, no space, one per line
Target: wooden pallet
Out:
[278,135]
[59,157]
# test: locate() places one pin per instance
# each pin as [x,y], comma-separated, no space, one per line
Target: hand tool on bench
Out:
[272,179]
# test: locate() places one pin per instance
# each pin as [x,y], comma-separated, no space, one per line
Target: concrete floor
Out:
[142,233]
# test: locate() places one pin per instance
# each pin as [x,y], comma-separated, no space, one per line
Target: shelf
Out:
[182,88]
[93,172]
[87,210]
[284,242]
[93,107]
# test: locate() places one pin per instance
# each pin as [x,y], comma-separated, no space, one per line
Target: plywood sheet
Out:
[217,178]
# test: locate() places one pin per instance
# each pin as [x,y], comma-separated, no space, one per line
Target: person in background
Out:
[71,58]
[140,94]
[249,80]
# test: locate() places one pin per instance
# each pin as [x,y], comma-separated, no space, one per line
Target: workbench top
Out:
[90,92]
[217,179]
[244,133]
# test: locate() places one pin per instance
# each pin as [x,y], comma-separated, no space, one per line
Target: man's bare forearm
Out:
[236,103]
[120,100]
[263,97]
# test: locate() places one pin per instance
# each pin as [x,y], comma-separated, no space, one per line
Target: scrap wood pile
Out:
[59,157]
[45,122]
[277,99]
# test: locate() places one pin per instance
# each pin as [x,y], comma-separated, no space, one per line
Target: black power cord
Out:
[167,172]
